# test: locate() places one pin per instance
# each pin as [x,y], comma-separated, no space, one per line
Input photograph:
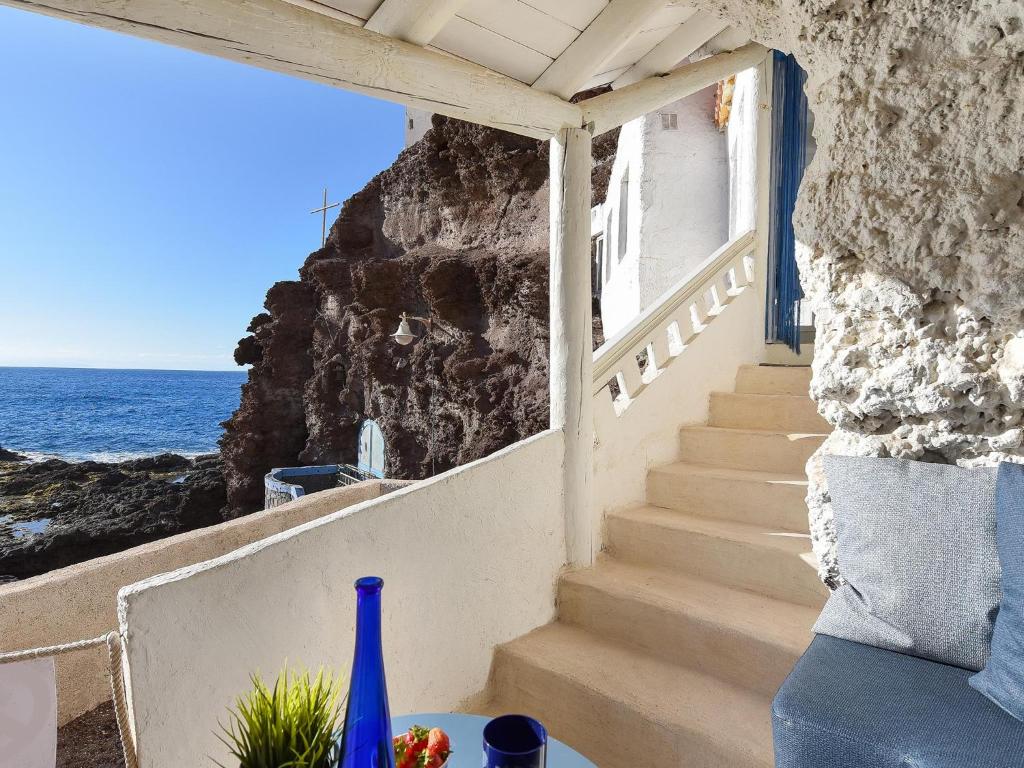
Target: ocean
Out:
[114,415]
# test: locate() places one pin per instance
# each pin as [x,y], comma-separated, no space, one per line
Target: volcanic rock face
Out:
[455,230]
[55,513]
[912,213]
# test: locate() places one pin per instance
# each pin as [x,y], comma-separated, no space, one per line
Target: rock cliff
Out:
[457,230]
[912,218]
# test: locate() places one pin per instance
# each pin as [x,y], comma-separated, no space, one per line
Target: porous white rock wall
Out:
[912,220]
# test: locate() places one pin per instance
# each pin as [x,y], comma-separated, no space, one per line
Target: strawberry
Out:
[417,738]
[438,748]
[410,746]
[399,746]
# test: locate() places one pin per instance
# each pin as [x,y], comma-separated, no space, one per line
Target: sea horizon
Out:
[114,414]
[237,369]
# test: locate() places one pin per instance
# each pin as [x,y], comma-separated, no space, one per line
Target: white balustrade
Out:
[663,331]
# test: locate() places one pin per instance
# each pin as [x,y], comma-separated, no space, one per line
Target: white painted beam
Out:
[415,21]
[303,38]
[612,109]
[571,359]
[601,40]
[666,55]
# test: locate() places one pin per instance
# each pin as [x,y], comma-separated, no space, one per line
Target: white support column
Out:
[764,175]
[571,359]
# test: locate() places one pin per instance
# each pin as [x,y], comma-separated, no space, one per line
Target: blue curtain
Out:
[789,155]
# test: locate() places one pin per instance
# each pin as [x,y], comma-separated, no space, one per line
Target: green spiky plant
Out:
[292,725]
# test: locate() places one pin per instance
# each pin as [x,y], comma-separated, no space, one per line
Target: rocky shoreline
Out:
[55,513]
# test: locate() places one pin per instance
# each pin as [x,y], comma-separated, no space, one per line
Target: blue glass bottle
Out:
[366,741]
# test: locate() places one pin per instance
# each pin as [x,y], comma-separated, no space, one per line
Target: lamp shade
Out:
[404,334]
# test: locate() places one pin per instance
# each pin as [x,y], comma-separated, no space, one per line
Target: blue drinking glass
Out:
[515,741]
[366,741]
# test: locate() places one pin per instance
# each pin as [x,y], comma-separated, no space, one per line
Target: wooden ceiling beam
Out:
[415,21]
[304,39]
[612,109]
[666,55]
[600,41]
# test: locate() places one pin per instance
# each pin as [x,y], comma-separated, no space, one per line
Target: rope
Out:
[52,650]
[114,650]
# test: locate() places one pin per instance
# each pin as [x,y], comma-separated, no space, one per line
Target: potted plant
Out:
[292,725]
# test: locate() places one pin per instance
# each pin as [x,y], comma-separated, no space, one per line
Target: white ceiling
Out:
[522,38]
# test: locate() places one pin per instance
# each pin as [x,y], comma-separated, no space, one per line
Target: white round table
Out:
[466,734]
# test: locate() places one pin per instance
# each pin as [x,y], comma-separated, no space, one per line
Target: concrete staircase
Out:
[668,651]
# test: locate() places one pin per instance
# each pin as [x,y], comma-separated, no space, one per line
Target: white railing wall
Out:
[649,344]
[657,374]
[81,599]
[469,560]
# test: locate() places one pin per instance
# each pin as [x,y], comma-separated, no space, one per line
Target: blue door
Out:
[370,457]
[790,140]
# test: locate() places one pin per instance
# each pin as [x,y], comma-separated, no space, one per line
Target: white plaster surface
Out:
[912,212]
[620,296]
[690,190]
[469,560]
[684,193]
[646,434]
[81,600]
[741,136]
[417,123]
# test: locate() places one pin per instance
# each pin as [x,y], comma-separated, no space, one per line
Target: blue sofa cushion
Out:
[917,548]
[847,705]
[1002,680]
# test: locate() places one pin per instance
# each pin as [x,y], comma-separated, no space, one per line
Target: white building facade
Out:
[680,188]
[417,123]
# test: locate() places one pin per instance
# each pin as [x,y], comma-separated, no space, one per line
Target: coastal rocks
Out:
[912,216]
[10,456]
[455,230]
[55,513]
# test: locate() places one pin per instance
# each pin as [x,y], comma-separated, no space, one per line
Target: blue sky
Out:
[149,196]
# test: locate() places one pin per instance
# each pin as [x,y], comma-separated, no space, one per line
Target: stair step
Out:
[744,495]
[746,639]
[767,561]
[783,413]
[758,449]
[623,709]
[774,380]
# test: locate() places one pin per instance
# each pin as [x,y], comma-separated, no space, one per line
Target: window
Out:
[623,214]
[410,124]
[600,268]
[607,248]
[669,121]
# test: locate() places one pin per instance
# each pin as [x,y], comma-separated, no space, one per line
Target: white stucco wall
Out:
[620,296]
[469,560]
[81,600]
[741,137]
[684,190]
[417,123]
[691,190]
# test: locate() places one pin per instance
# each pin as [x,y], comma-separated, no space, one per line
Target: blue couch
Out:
[848,705]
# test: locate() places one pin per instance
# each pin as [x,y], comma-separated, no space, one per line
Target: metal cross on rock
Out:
[323,210]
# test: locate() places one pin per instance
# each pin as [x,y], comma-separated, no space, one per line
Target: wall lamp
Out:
[405,336]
